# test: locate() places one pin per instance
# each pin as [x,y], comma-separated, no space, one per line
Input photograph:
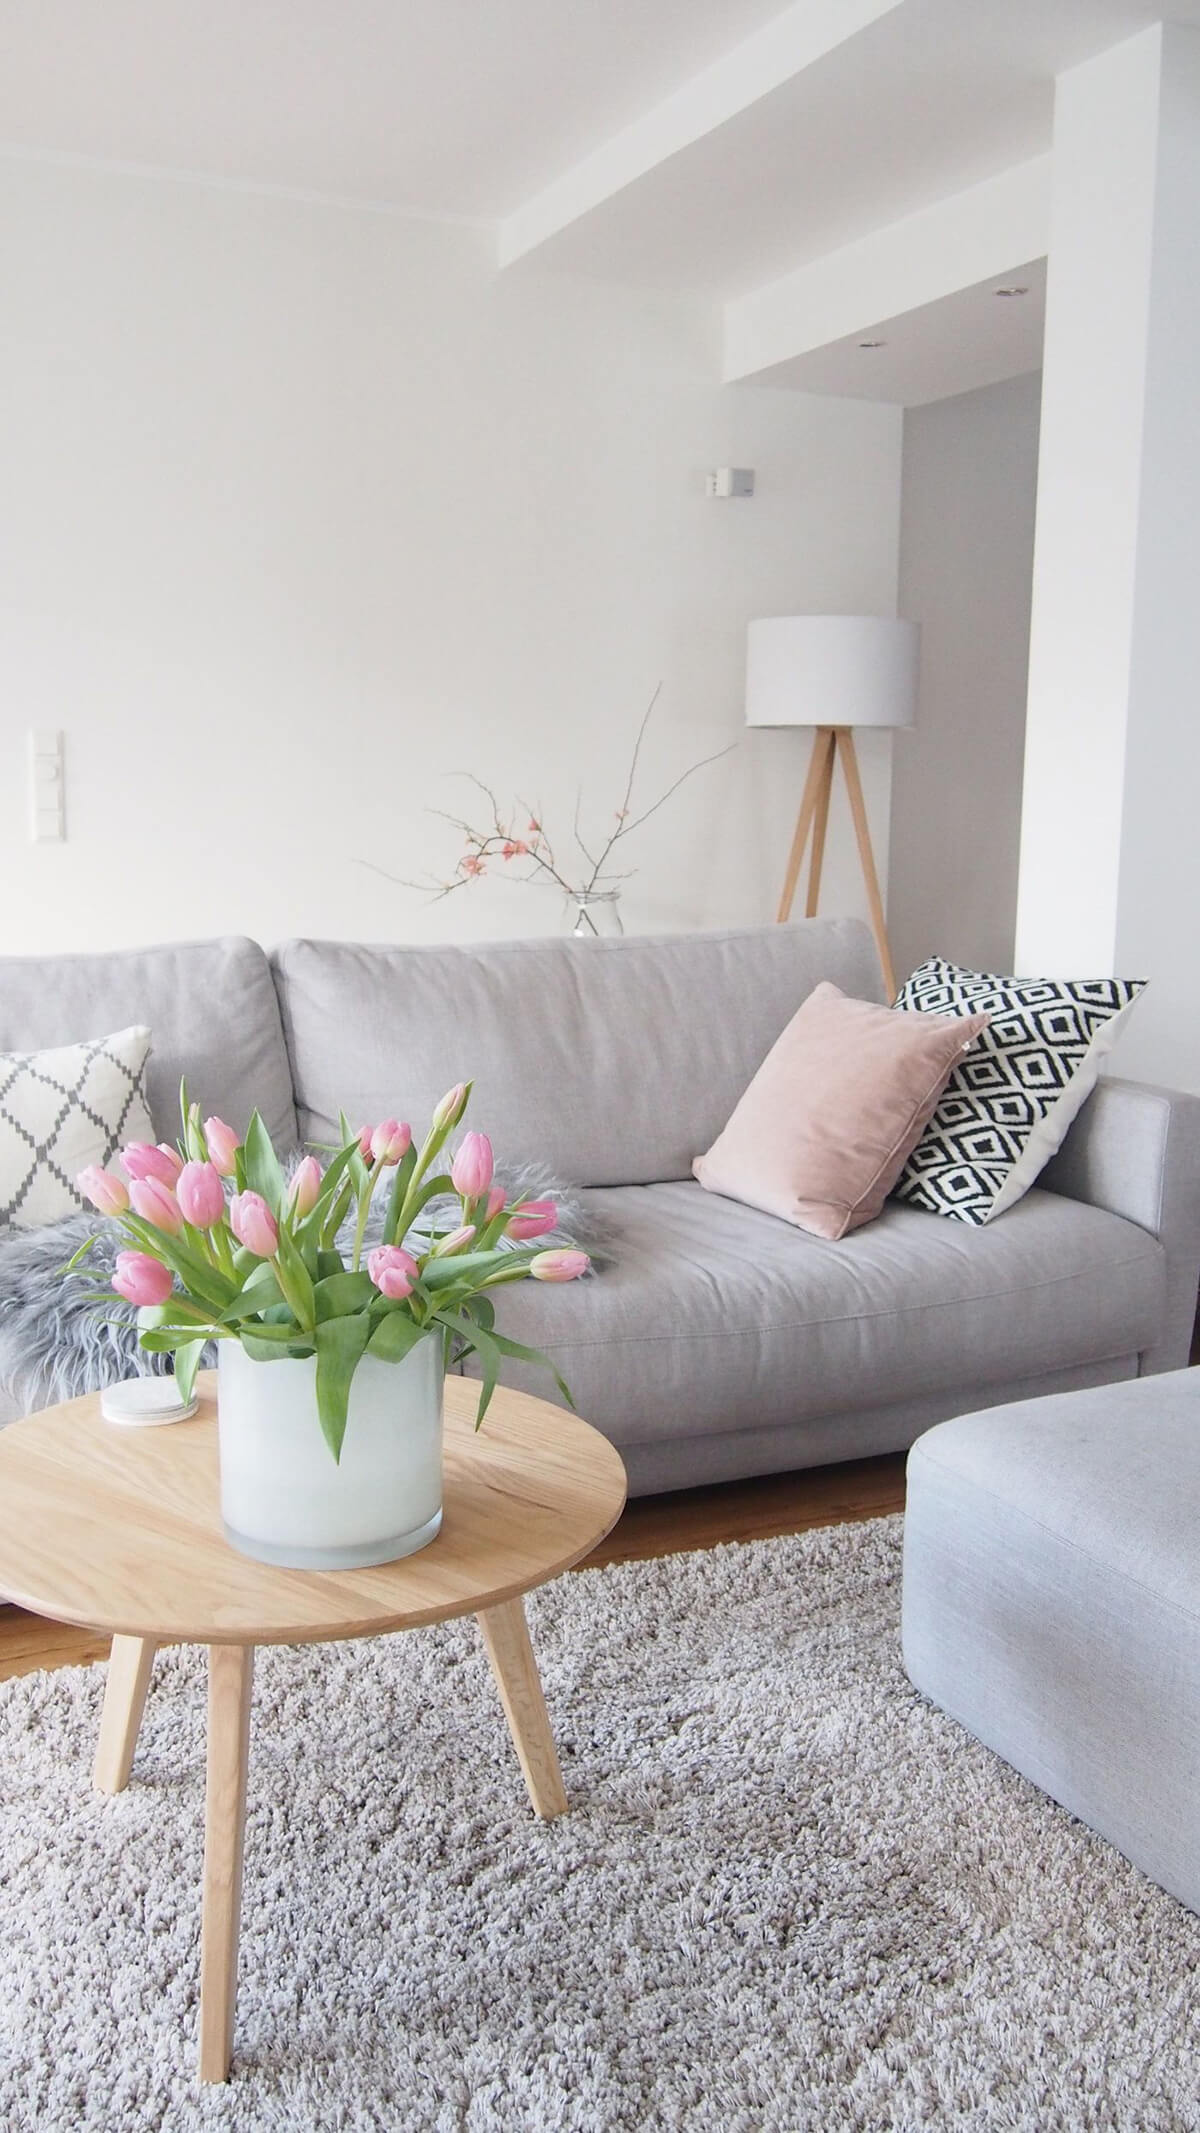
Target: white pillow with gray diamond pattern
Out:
[61,1110]
[1006,1108]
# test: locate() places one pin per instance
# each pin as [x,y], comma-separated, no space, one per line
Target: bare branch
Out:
[637,749]
[433,888]
[578,836]
[623,810]
[681,780]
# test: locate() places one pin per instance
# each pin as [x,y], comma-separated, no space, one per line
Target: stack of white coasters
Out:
[142,1403]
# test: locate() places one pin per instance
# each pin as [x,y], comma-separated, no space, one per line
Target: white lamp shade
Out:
[832,670]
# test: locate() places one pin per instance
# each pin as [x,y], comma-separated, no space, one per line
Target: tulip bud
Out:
[559,1266]
[200,1195]
[103,1190]
[457,1241]
[140,1279]
[390,1142]
[393,1270]
[305,1188]
[223,1145]
[495,1203]
[451,1107]
[532,1219]
[472,1169]
[253,1224]
[156,1203]
[193,1135]
[139,1160]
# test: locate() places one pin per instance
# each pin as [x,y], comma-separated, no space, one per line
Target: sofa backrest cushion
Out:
[614,1062]
[210,1007]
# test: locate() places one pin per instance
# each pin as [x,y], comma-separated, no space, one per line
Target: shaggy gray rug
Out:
[789,1896]
[54,1344]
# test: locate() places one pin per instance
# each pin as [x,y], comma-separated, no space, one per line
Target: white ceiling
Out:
[472,109]
[971,338]
[449,107]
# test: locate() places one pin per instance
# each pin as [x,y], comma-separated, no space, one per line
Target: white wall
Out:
[301,508]
[966,561]
[1110,862]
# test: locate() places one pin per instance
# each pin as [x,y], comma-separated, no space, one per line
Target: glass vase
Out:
[597,913]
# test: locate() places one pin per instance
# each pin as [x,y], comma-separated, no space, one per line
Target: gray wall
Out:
[966,563]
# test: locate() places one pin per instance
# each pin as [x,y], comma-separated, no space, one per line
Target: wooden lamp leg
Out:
[820,765]
[846,749]
[820,827]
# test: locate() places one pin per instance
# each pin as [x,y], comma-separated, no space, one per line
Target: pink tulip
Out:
[473,1167]
[141,1161]
[140,1279]
[156,1203]
[305,1188]
[559,1266]
[393,1270]
[451,1107]
[495,1202]
[253,1224]
[532,1219]
[390,1142]
[364,1143]
[103,1190]
[457,1241]
[200,1194]
[223,1145]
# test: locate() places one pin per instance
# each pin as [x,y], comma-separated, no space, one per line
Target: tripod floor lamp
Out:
[833,672]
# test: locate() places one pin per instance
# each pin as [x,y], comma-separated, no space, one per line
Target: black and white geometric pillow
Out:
[1006,1108]
[61,1110]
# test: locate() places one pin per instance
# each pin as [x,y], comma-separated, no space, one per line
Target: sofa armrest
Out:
[1135,1151]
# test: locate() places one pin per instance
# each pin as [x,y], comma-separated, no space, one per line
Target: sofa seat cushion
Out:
[709,1318]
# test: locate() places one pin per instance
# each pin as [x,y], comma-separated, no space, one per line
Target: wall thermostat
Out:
[730,481]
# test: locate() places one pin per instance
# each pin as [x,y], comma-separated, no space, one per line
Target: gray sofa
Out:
[717,1341]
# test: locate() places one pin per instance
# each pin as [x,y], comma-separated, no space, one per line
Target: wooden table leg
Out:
[230,1679]
[129,1667]
[506,1640]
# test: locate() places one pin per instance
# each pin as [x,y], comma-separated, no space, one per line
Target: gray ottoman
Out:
[1052,1603]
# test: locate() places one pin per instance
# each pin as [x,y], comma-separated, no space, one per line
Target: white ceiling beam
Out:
[805,32]
[954,244]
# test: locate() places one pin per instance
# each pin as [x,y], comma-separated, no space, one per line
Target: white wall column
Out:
[1110,840]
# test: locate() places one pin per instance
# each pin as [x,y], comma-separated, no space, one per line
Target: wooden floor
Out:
[651,1525]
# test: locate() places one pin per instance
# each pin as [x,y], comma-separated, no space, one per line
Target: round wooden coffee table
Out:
[120,1530]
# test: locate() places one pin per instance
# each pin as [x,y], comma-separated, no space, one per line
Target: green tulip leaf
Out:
[187,1362]
[273,1344]
[264,1174]
[340,1344]
[394,1337]
[462,1266]
[398,1195]
[339,1294]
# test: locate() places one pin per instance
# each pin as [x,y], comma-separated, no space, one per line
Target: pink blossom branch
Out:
[501,840]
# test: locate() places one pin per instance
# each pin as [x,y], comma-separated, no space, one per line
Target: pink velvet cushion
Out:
[835,1110]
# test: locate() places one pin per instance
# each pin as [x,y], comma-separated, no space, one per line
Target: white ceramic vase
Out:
[285,1500]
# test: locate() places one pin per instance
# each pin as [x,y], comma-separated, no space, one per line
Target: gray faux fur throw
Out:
[54,1345]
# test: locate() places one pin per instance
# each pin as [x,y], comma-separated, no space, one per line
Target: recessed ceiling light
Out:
[872,344]
[1017,289]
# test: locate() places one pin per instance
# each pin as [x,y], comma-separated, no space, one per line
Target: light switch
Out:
[47,814]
